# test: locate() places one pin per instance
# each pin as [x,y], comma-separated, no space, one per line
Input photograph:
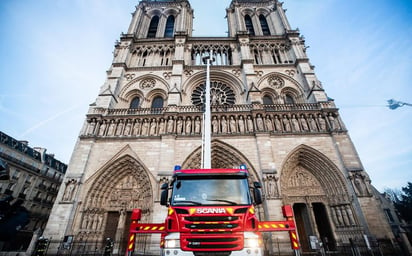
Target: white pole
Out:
[206,136]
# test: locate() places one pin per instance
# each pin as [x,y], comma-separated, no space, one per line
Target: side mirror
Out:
[257,184]
[256,193]
[164,195]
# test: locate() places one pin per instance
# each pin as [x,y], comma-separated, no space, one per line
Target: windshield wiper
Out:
[187,201]
[222,200]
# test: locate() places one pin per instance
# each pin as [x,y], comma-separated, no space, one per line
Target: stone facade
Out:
[269,111]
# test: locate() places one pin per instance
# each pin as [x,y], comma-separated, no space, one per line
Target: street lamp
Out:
[206,136]
[394,104]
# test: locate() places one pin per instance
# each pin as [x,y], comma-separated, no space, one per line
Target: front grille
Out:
[208,240]
[211,226]
[212,242]
[212,218]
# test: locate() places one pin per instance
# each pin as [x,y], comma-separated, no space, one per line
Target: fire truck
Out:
[211,212]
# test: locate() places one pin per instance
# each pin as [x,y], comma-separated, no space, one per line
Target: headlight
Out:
[251,242]
[172,243]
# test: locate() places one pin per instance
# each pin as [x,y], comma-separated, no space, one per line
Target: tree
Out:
[404,204]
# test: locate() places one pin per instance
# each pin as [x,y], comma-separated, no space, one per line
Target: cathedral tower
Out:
[269,111]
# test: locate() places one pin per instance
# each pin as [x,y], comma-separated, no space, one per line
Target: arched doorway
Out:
[114,191]
[223,156]
[316,188]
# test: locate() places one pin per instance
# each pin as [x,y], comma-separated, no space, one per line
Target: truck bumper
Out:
[244,252]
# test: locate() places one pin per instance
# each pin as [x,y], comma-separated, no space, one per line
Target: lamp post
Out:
[206,135]
[394,104]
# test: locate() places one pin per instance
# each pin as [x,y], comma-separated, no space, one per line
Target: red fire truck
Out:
[211,212]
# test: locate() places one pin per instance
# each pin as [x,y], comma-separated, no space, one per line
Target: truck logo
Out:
[210,210]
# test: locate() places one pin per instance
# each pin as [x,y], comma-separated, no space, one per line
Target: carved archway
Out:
[113,192]
[223,156]
[316,188]
[306,167]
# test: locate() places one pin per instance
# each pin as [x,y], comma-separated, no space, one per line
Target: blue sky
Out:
[54,54]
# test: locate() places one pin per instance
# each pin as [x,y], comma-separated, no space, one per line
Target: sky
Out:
[54,55]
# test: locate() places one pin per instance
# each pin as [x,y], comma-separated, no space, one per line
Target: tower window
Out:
[157,102]
[249,25]
[135,102]
[264,25]
[153,27]
[170,25]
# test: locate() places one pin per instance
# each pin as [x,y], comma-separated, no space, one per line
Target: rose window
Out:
[220,94]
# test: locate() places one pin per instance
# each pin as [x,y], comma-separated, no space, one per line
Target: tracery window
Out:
[220,94]
[221,54]
[170,25]
[151,33]
[249,25]
[135,102]
[264,25]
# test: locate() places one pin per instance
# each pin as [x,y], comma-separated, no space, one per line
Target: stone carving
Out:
[259,123]
[69,191]
[91,127]
[147,83]
[223,124]
[359,182]
[197,125]
[276,82]
[153,126]
[129,76]
[268,123]
[241,124]
[232,125]
[271,186]
[170,125]
[290,72]
[188,125]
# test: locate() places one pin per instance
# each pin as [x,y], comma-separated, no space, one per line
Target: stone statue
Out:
[232,125]
[197,125]
[223,124]
[269,124]
[259,123]
[188,128]
[153,126]
[170,125]
[241,125]
[69,191]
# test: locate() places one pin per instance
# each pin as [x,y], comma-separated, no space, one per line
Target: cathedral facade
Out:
[269,111]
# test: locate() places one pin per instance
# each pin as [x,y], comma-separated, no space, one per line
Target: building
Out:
[269,111]
[35,179]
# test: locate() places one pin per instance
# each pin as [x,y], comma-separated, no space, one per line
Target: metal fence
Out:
[103,248]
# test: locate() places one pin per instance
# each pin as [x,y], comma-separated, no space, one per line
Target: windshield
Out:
[211,191]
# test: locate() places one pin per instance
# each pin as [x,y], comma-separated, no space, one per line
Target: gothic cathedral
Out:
[269,111]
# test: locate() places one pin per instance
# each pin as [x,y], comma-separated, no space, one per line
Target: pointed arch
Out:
[249,25]
[264,25]
[170,25]
[154,23]
[322,173]
[223,156]
[108,185]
